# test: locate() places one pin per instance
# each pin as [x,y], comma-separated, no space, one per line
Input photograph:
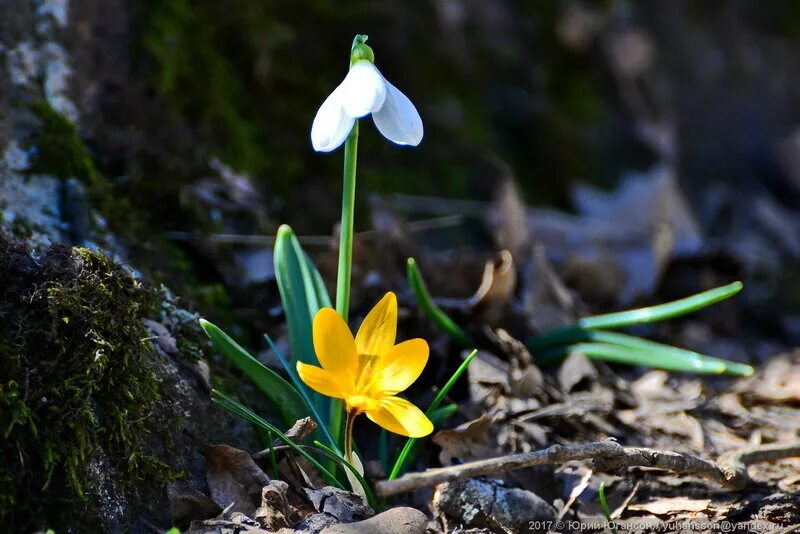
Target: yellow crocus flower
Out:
[369,371]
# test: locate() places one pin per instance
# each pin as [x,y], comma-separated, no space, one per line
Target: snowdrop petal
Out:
[364,90]
[331,125]
[398,119]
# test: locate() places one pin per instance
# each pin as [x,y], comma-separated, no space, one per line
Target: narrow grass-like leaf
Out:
[661,312]
[630,356]
[302,292]
[443,413]
[245,413]
[286,398]
[439,415]
[402,458]
[651,314]
[303,390]
[429,307]
[601,492]
[680,356]
[350,467]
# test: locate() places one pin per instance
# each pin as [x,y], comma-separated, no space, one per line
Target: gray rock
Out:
[489,504]
[346,507]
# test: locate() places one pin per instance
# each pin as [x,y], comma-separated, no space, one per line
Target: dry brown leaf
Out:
[466,442]
[780,381]
[494,294]
[233,477]
[574,370]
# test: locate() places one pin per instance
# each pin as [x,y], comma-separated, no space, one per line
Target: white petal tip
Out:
[398,120]
[331,125]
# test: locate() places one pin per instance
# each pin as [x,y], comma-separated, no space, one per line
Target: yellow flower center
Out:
[366,373]
[360,403]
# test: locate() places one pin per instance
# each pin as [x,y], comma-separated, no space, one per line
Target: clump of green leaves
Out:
[592,336]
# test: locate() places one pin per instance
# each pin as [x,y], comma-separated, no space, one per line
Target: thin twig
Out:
[730,471]
[259,240]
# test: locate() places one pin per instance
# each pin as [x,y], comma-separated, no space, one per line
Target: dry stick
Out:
[730,472]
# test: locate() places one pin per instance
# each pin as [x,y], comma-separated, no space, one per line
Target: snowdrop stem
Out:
[346,227]
[345,255]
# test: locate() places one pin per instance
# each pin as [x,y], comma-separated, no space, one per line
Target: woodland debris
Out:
[275,511]
[489,504]
[401,520]
[731,471]
[234,478]
[187,504]
[672,505]
[346,507]
[301,429]
[468,441]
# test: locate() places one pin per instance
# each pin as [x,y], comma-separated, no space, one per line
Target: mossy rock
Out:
[95,417]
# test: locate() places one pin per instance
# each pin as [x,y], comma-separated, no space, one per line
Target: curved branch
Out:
[608,455]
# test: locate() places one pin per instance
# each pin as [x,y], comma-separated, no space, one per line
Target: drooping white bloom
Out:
[364,91]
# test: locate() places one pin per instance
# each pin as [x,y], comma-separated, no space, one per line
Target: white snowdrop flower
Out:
[365,91]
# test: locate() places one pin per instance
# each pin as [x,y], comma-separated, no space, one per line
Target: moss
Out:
[76,380]
[58,150]
[195,75]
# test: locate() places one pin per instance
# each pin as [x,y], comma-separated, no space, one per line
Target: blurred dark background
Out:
[184,119]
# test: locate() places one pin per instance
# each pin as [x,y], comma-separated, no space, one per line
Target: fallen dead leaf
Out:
[234,478]
[466,442]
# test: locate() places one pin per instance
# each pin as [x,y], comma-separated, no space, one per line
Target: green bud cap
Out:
[361,51]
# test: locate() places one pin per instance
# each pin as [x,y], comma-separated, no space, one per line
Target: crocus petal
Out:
[320,380]
[400,367]
[364,90]
[376,335]
[398,119]
[331,124]
[334,344]
[401,417]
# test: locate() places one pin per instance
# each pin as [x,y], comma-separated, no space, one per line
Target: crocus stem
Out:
[348,436]
[345,255]
[346,227]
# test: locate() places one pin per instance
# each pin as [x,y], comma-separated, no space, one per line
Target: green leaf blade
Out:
[429,307]
[303,294]
[431,412]
[661,312]
[286,398]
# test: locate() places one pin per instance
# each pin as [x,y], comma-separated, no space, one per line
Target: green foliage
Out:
[245,413]
[429,307]
[431,412]
[601,492]
[76,380]
[587,337]
[304,391]
[282,393]
[303,293]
